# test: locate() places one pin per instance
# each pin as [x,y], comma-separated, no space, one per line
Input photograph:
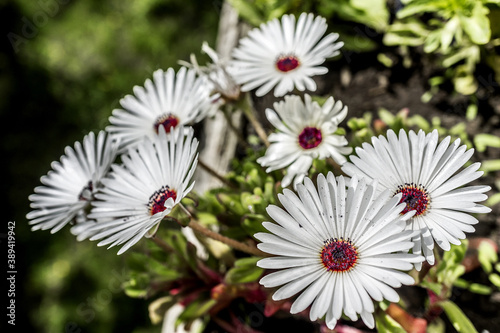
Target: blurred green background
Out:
[64,65]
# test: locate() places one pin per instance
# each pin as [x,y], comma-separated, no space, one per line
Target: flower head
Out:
[425,174]
[217,74]
[305,131]
[338,248]
[170,100]
[155,176]
[284,54]
[70,186]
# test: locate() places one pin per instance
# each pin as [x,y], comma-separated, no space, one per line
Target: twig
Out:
[248,110]
[196,226]
[226,240]
[336,167]
[162,244]
[213,173]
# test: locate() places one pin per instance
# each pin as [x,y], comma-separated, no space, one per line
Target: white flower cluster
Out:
[341,243]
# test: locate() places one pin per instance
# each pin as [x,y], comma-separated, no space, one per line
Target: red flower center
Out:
[339,255]
[157,201]
[310,138]
[415,197]
[167,121]
[287,63]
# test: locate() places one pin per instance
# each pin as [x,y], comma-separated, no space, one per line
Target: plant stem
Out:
[336,167]
[423,272]
[162,244]
[437,256]
[195,225]
[215,174]
[168,249]
[248,110]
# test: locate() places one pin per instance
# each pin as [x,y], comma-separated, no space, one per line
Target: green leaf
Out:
[385,60]
[251,201]
[436,81]
[480,289]
[461,283]
[459,320]
[420,122]
[248,11]
[471,112]
[410,33]
[135,292]
[448,33]
[490,165]
[456,253]
[245,270]
[478,25]
[434,287]
[206,218]
[252,223]
[385,323]
[493,200]
[197,309]
[358,43]
[458,129]
[232,203]
[269,190]
[482,141]
[487,255]
[356,123]
[436,326]
[375,13]
[137,286]
[386,116]
[495,279]
[253,178]
[426,97]
[452,274]
[414,8]
[470,55]
[179,243]
[465,84]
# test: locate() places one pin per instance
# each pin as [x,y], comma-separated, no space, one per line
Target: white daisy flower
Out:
[72,183]
[425,173]
[305,132]
[155,176]
[338,248]
[284,54]
[170,100]
[217,74]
